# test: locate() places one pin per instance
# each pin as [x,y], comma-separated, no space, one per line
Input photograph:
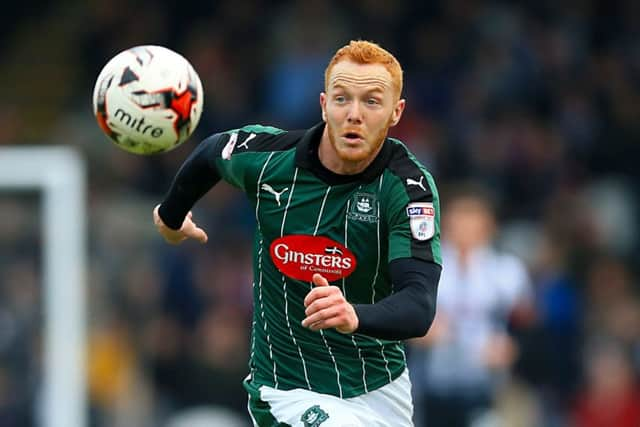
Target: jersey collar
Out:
[307,158]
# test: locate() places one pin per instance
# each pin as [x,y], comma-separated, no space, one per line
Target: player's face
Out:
[359,107]
[468,223]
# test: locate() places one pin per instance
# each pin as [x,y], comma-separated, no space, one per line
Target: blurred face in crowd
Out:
[609,373]
[468,223]
[361,102]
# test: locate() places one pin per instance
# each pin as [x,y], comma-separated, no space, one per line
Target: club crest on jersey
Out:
[314,416]
[300,256]
[422,218]
[363,207]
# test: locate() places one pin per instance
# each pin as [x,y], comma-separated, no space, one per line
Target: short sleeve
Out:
[411,209]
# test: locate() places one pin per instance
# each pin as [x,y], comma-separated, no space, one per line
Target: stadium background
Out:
[540,102]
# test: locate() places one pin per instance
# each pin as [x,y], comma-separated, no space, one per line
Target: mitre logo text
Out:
[301,256]
[137,124]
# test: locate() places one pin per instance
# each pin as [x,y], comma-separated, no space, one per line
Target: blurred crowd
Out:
[537,104]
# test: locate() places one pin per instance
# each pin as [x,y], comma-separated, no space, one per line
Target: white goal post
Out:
[59,173]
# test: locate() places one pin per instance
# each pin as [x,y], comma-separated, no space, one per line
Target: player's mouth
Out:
[352,137]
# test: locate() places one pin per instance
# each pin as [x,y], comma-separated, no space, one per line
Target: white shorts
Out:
[388,406]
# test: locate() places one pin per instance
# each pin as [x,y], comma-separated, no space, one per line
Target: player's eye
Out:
[373,101]
[340,99]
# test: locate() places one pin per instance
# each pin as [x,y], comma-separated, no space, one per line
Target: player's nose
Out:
[354,114]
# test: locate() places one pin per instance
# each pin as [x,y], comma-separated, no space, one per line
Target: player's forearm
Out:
[193,180]
[410,310]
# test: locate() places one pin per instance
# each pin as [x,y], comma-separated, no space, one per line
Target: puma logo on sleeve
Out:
[417,183]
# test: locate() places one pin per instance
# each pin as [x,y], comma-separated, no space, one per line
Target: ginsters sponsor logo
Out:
[300,256]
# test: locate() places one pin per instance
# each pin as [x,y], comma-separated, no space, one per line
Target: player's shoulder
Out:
[410,171]
[402,161]
[264,138]
[254,138]
[257,129]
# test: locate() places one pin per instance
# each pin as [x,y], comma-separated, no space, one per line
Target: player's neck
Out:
[332,161]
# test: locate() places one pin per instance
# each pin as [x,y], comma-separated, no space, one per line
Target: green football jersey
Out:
[346,227]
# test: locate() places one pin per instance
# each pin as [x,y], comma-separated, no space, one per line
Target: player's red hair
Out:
[365,52]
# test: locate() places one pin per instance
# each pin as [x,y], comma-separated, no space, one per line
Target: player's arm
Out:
[407,313]
[194,179]
[410,310]
[412,212]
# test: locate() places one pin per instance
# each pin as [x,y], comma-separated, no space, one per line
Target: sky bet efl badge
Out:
[422,220]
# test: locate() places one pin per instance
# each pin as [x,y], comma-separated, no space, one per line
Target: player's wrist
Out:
[357,322]
[170,235]
[352,322]
[170,217]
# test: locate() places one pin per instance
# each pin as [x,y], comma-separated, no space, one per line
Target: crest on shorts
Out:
[314,416]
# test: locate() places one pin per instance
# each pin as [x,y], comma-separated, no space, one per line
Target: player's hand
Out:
[188,230]
[326,307]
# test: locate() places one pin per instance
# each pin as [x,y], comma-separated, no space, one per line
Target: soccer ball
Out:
[148,99]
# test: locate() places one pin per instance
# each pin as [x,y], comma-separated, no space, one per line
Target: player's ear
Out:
[397,112]
[323,105]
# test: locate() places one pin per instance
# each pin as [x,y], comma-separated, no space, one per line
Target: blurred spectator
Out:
[303,35]
[610,397]
[614,306]
[468,352]
[549,357]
